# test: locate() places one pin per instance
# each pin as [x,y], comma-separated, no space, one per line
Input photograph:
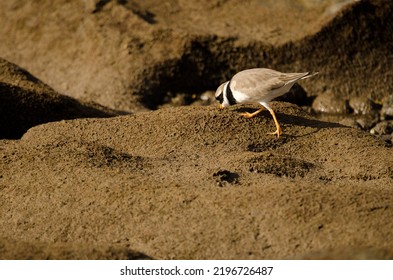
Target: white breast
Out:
[241,97]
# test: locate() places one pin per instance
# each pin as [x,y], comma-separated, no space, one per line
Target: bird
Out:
[258,85]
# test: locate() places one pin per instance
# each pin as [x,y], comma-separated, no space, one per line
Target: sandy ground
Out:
[83,178]
[195,182]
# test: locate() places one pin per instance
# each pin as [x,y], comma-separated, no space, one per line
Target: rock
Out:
[382,128]
[362,105]
[15,76]
[127,55]
[148,182]
[387,107]
[330,104]
[206,98]
[366,122]
[25,102]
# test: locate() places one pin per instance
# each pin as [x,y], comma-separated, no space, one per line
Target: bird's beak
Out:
[221,107]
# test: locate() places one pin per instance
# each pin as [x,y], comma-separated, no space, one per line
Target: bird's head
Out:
[221,95]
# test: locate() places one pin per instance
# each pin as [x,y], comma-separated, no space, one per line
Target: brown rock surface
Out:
[25,102]
[199,183]
[128,55]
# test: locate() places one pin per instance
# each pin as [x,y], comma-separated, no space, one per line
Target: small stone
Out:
[387,107]
[206,98]
[176,100]
[387,140]
[179,100]
[330,104]
[366,122]
[382,128]
[361,105]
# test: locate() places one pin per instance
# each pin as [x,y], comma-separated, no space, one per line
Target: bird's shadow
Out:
[287,119]
[301,121]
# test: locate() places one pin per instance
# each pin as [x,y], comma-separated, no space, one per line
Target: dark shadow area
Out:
[136,8]
[202,68]
[99,5]
[300,121]
[291,119]
[199,69]
[21,109]
[226,176]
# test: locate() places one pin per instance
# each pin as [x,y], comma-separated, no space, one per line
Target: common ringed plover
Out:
[258,85]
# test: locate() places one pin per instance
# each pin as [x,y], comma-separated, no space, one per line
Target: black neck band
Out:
[231,99]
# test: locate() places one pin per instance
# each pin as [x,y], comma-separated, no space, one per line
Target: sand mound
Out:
[25,102]
[200,183]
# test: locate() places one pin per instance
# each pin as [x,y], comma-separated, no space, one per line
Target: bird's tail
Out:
[309,75]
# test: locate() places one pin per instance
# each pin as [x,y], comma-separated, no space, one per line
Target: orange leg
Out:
[250,115]
[278,128]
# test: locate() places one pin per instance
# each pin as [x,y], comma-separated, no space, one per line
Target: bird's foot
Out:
[278,132]
[247,115]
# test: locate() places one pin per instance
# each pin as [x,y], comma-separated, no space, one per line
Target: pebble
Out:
[387,107]
[330,104]
[382,128]
[362,105]
[207,98]
[366,122]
